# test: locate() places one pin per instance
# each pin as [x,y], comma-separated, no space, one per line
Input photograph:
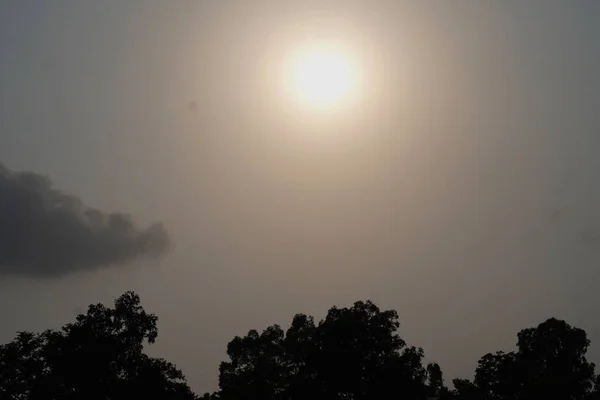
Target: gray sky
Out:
[463,192]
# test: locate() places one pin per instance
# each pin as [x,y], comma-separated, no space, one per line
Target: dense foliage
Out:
[99,356]
[353,353]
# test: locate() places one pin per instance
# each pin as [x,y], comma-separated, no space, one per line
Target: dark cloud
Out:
[46,232]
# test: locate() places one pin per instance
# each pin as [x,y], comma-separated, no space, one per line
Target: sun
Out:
[322,76]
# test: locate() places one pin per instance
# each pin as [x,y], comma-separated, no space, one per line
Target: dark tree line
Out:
[354,353]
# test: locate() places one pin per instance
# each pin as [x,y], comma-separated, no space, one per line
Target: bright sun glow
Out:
[322,76]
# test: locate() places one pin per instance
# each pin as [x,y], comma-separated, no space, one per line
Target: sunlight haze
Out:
[267,158]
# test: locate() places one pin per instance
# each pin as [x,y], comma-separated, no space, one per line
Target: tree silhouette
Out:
[464,389]
[354,353]
[435,381]
[257,369]
[549,363]
[100,356]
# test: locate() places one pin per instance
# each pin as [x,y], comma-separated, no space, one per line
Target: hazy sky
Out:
[463,191]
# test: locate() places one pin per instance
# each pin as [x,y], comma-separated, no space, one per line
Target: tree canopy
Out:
[354,353]
[99,356]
